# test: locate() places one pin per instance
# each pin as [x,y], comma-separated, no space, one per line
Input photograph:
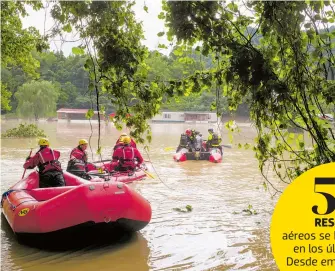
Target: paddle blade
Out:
[149,174]
[227,146]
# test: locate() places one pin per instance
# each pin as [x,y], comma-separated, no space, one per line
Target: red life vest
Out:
[79,154]
[48,160]
[133,143]
[126,156]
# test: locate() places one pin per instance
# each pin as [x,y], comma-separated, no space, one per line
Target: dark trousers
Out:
[51,179]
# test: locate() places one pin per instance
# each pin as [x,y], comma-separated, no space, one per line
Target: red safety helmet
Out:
[188,132]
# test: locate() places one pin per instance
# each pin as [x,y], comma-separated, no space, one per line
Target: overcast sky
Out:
[151,25]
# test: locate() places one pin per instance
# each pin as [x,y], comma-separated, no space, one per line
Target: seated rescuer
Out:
[190,139]
[214,140]
[183,143]
[120,143]
[124,158]
[198,142]
[77,164]
[192,134]
[49,168]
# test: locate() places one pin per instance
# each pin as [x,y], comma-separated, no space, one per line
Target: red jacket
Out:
[126,156]
[46,159]
[78,153]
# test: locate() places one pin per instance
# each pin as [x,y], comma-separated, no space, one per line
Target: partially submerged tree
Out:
[24,130]
[37,99]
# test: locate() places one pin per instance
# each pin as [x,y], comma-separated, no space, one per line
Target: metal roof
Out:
[74,110]
[188,112]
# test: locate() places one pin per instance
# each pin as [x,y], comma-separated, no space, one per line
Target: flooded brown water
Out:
[216,235]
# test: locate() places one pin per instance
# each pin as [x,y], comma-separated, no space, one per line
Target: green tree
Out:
[5,98]
[37,99]
[18,43]
[68,94]
[12,78]
[158,66]
[116,64]
[283,77]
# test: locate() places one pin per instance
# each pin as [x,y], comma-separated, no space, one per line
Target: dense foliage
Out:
[36,99]
[283,68]
[25,130]
[68,74]
[17,43]
[285,77]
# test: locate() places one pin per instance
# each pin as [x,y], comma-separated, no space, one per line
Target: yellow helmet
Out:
[43,142]
[126,139]
[124,134]
[83,141]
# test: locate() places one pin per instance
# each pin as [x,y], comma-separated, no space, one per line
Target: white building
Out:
[196,117]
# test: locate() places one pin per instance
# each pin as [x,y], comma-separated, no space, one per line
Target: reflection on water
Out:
[216,235]
[102,254]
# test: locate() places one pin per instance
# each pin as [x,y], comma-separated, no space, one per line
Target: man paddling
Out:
[49,168]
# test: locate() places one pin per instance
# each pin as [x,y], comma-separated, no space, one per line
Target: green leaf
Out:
[162,46]
[145,9]
[67,28]
[161,16]
[178,52]
[160,34]
[89,114]
[78,51]
[233,7]
[246,146]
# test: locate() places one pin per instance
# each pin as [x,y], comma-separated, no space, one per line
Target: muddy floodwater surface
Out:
[216,235]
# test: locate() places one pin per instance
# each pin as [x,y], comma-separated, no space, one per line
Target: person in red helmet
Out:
[188,132]
[49,168]
[126,158]
[191,134]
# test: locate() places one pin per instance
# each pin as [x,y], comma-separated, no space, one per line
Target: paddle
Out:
[227,146]
[101,161]
[169,148]
[24,172]
[144,169]
[148,174]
